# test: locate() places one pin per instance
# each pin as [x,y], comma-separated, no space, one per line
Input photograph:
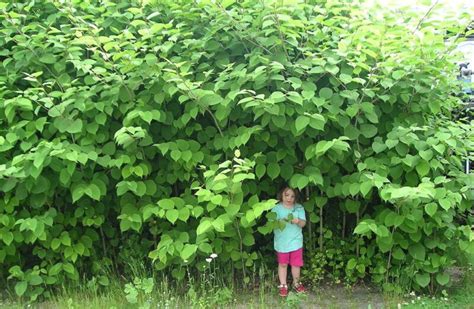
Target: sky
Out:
[451,4]
[442,10]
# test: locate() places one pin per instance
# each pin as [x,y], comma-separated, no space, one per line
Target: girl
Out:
[288,241]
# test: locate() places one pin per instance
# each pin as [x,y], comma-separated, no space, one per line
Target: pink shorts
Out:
[293,258]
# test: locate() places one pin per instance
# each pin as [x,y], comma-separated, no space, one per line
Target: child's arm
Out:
[300,220]
[301,223]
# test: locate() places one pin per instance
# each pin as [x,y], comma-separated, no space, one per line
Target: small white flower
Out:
[214,255]
[418,297]
[209,260]
[185,261]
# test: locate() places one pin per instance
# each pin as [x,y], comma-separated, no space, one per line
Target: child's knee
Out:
[282,265]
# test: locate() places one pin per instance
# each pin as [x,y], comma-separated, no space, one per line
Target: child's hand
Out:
[295,221]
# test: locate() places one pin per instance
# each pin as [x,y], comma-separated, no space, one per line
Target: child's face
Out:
[288,197]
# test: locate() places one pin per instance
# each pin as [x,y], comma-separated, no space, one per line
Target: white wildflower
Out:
[209,260]
[214,255]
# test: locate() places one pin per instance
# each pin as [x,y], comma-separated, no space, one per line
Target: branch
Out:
[426,15]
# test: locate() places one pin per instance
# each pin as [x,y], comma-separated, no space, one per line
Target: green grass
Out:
[213,292]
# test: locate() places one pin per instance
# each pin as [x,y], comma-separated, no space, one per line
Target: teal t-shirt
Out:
[290,238]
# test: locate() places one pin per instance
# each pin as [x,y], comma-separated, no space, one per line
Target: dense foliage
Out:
[165,129]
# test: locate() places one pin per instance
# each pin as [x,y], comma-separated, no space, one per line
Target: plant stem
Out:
[357,239]
[321,229]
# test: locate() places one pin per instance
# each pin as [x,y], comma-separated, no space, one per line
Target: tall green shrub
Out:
[165,128]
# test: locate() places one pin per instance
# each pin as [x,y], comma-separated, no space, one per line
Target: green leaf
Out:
[398,74]
[65,239]
[205,247]
[295,97]
[301,123]
[184,214]
[175,154]
[77,192]
[440,148]
[273,170]
[431,209]
[20,288]
[187,251]
[368,130]
[69,268]
[352,206]
[210,99]
[218,225]
[351,264]
[445,203]
[55,243]
[248,240]
[378,146]
[350,94]
[104,281]
[74,126]
[203,227]
[35,279]
[422,279]
[299,181]
[7,237]
[384,243]
[93,191]
[398,254]
[172,215]
[325,93]
[417,251]
[166,204]
[391,143]
[260,170]
[423,168]
[354,188]
[426,154]
[442,278]
[55,269]
[365,187]
[317,122]
[48,59]
[346,79]
[362,228]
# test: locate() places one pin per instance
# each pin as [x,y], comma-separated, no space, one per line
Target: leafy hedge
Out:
[164,129]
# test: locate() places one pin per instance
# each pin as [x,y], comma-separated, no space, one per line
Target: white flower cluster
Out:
[211,257]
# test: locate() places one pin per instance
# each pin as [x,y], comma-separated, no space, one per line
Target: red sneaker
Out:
[299,288]
[283,290]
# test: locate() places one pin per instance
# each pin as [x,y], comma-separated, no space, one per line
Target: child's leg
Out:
[296,261]
[282,273]
[295,272]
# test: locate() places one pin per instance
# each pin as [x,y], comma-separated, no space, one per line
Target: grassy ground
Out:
[192,295]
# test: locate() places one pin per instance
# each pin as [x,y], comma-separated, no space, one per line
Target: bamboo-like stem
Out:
[321,246]
[357,240]
[308,223]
